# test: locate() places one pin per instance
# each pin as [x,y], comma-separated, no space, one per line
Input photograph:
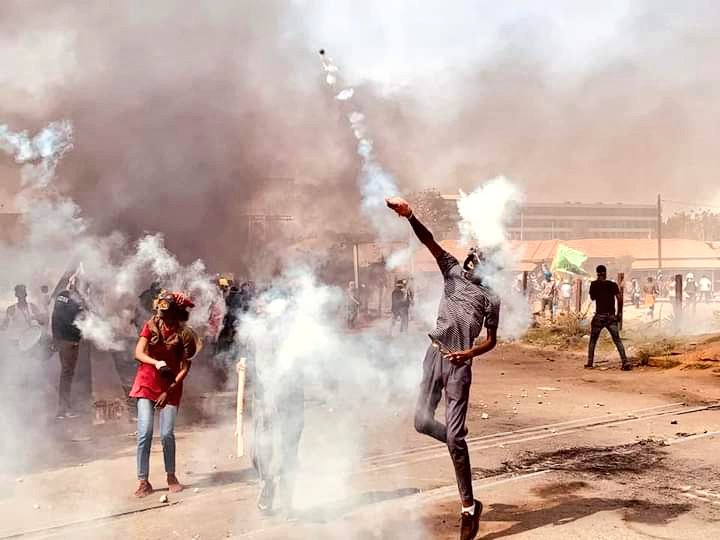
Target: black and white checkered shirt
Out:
[464,307]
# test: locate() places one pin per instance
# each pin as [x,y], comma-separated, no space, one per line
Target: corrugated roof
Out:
[643,248]
[687,264]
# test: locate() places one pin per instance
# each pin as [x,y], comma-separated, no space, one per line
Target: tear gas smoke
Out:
[485,214]
[374,181]
[298,335]
[58,238]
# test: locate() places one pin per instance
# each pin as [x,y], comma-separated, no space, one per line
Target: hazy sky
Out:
[574,100]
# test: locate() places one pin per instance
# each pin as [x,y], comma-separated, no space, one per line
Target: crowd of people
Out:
[552,293]
[157,361]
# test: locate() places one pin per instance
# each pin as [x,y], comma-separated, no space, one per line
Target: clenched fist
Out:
[399,205]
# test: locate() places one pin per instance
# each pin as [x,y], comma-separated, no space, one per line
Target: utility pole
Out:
[659,232]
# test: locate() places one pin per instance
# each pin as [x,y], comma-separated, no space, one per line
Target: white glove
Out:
[160,364]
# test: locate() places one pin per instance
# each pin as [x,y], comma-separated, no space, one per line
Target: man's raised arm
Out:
[402,208]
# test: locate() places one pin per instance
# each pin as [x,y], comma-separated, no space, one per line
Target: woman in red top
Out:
[163,351]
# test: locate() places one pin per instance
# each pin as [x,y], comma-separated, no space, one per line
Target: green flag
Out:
[568,260]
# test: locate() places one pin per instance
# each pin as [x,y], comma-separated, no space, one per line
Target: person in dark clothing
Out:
[604,293]
[400,306]
[691,290]
[278,403]
[227,348]
[66,336]
[145,307]
[466,306]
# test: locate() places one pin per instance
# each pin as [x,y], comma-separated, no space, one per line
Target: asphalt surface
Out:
[558,452]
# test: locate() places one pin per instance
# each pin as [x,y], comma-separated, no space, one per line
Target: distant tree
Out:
[693,226]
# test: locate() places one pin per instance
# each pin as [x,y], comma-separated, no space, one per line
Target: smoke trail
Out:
[374,181]
[485,214]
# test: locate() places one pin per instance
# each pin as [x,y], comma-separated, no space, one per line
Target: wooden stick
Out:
[240,368]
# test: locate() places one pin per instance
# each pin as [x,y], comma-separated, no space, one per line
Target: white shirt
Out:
[705,284]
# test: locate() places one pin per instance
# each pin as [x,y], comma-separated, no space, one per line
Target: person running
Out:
[466,305]
[635,293]
[21,315]
[605,293]
[164,352]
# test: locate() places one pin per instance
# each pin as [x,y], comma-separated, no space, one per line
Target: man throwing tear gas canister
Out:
[466,305]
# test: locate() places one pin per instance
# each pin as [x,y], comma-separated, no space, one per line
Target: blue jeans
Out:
[146,418]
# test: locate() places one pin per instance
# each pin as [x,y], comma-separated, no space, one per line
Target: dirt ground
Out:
[558,452]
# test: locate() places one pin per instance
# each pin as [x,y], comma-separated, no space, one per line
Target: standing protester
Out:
[227,348]
[705,286]
[691,290]
[566,290]
[164,352]
[278,407]
[353,304]
[548,291]
[400,306]
[21,315]
[467,303]
[650,290]
[67,308]
[605,293]
[635,293]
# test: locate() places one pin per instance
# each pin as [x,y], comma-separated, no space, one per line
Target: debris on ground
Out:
[638,457]
[485,416]
[164,499]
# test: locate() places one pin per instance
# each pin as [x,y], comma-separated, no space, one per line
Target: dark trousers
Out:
[126,367]
[547,303]
[68,353]
[278,426]
[403,317]
[439,374]
[598,323]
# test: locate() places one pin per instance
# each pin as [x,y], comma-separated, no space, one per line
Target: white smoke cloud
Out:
[58,238]
[298,334]
[374,181]
[485,214]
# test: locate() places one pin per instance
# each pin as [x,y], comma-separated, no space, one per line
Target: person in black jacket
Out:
[400,306]
[67,336]
[606,295]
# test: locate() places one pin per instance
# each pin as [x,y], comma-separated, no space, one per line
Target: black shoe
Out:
[588,366]
[626,367]
[266,496]
[470,523]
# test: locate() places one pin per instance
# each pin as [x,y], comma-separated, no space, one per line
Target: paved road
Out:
[564,453]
